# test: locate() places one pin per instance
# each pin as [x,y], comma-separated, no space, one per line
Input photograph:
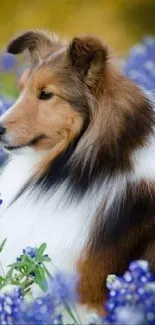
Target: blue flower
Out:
[31,251]
[14,310]
[40,312]
[10,304]
[8,62]
[140,64]
[132,296]
[34,254]
[64,287]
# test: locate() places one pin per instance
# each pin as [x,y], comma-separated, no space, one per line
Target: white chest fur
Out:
[63,226]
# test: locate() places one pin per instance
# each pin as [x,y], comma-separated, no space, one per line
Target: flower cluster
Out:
[131,297]
[140,64]
[10,304]
[30,269]
[14,310]
[131,301]
[17,310]
[64,287]
[16,303]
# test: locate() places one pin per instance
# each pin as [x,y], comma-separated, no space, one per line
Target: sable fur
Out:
[89,131]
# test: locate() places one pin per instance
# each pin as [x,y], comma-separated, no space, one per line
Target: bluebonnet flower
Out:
[15,310]
[140,64]
[10,305]
[39,312]
[31,251]
[131,300]
[64,287]
[8,62]
[35,263]
[132,297]
[46,310]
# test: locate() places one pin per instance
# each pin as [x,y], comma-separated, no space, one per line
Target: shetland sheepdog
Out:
[81,170]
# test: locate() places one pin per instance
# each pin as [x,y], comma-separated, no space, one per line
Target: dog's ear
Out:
[38,43]
[88,55]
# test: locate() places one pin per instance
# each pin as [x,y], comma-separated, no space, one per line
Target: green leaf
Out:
[2,280]
[27,292]
[41,271]
[30,269]
[41,280]
[47,272]
[46,259]
[18,265]
[9,274]
[2,244]
[28,260]
[40,252]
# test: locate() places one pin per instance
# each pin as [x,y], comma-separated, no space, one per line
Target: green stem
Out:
[47,272]
[70,312]
[78,317]
[25,286]
[1,266]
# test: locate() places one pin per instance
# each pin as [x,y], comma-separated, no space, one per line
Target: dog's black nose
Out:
[2,129]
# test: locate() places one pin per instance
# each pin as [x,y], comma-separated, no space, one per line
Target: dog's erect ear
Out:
[38,42]
[88,56]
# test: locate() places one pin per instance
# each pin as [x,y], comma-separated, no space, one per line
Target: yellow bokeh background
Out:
[120,22]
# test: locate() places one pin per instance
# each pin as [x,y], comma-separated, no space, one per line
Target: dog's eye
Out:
[45,95]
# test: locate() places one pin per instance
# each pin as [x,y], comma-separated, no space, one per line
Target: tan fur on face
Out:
[55,119]
[24,78]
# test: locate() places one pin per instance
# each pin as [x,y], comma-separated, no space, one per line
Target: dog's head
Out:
[72,90]
[52,107]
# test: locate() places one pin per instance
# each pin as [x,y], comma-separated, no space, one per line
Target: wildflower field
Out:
[131,297]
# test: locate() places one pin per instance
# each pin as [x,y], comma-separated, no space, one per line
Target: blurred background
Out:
[120,22]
